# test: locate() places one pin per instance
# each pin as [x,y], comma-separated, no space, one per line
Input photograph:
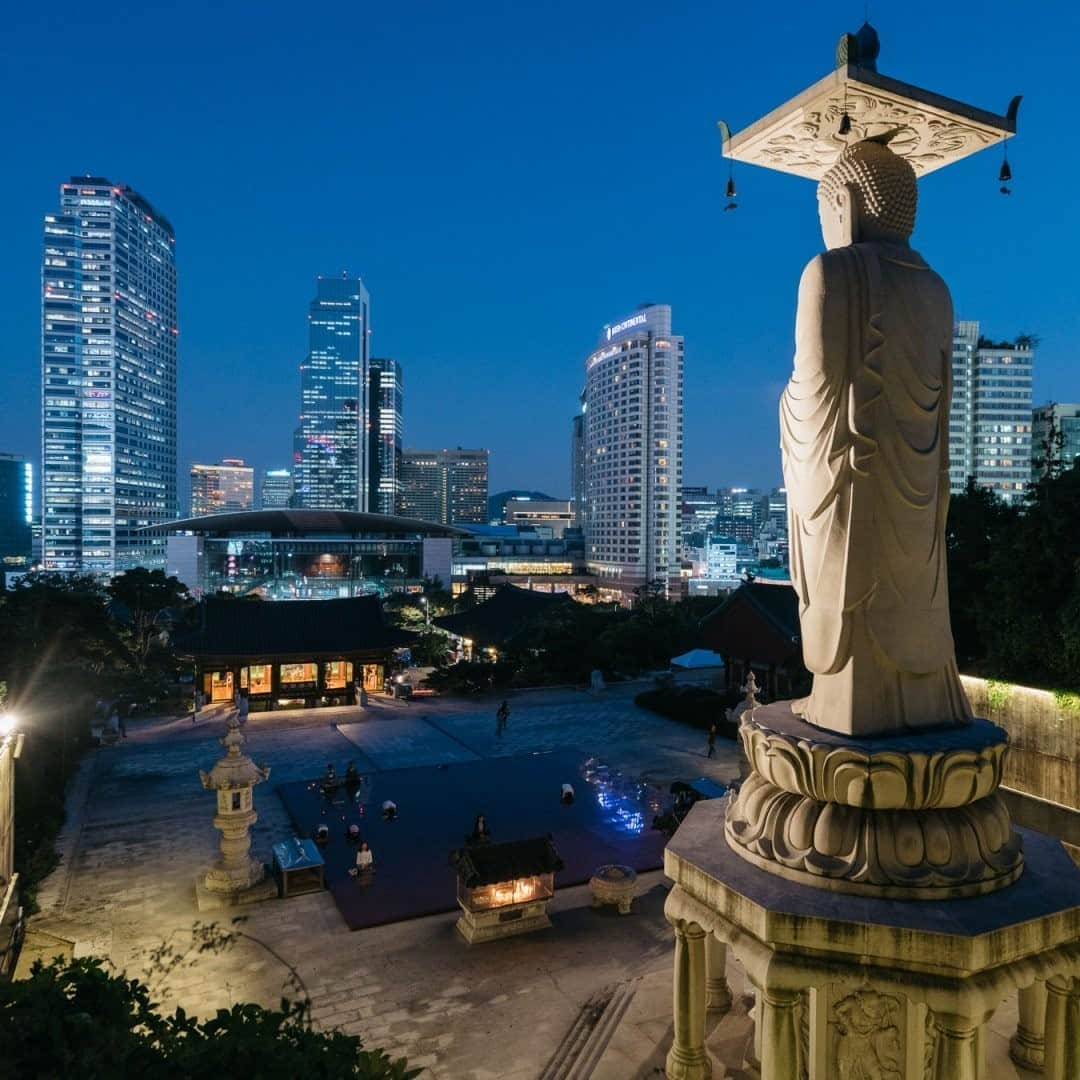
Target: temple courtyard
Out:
[140,829]
[594,989]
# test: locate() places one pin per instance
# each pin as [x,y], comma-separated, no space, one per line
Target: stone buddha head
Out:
[868,195]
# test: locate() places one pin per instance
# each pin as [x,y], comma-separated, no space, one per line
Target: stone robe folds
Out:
[864,431]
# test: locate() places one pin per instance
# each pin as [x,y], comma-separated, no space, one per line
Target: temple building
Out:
[305,654]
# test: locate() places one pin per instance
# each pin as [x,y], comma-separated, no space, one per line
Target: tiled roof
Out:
[496,621]
[308,628]
[488,864]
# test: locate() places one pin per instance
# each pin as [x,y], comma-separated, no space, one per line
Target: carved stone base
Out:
[935,854]
[904,817]
[222,878]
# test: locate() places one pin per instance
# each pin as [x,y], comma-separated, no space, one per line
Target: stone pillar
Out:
[956,1048]
[687,1059]
[779,1020]
[752,1063]
[1026,1047]
[1062,1049]
[717,991]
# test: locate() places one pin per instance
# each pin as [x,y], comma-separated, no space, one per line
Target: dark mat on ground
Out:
[609,822]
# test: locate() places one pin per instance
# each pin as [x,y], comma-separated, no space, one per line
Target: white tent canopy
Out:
[698,658]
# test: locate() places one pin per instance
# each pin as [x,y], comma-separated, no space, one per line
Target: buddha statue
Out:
[864,433]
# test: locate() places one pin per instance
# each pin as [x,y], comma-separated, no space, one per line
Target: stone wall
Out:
[1042,769]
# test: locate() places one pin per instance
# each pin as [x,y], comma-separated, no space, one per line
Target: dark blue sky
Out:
[507,178]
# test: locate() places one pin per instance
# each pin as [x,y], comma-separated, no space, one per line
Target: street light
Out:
[8,721]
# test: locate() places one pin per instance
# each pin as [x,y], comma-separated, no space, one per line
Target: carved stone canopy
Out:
[802,135]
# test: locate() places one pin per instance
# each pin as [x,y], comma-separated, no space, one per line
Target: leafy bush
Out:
[694,705]
[78,1019]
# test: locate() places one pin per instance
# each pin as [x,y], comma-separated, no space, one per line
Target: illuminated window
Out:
[256,678]
[298,673]
[338,674]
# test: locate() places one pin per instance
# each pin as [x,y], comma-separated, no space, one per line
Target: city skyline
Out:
[737,318]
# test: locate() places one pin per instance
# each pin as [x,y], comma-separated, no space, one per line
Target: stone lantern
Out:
[236,878]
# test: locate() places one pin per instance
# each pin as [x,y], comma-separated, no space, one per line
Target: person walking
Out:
[712,741]
[501,717]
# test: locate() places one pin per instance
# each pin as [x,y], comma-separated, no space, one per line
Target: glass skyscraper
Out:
[16,512]
[990,416]
[385,433]
[330,448]
[277,490]
[108,363]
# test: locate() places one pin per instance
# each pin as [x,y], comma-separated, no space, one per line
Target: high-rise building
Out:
[1055,437]
[633,451]
[742,512]
[449,487]
[990,416]
[385,434]
[220,489]
[277,489]
[577,469]
[16,512]
[108,364]
[331,451]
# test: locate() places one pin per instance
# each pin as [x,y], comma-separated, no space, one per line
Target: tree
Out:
[1014,578]
[1047,462]
[79,1019]
[977,522]
[144,595]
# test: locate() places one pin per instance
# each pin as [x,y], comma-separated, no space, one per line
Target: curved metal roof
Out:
[308,522]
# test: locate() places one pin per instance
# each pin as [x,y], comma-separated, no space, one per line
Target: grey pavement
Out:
[140,830]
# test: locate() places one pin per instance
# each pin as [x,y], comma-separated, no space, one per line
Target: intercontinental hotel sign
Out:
[626,324]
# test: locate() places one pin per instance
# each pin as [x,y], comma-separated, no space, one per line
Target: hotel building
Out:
[633,452]
[218,489]
[331,450]
[108,367]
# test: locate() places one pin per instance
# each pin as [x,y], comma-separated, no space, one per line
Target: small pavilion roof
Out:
[489,864]
[500,618]
[301,628]
[756,622]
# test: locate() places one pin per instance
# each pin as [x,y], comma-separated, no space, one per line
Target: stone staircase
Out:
[581,1050]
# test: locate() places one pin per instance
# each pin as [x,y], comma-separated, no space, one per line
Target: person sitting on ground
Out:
[352,776]
[389,810]
[481,834]
[322,834]
[353,832]
[567,796]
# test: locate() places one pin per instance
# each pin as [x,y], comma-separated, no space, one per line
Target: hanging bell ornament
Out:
[1006,173]
[729,191]
[845,124]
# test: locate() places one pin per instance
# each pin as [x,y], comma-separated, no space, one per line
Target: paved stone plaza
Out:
[139,831]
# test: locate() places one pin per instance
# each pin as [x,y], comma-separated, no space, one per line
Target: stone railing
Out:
[1041,780]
